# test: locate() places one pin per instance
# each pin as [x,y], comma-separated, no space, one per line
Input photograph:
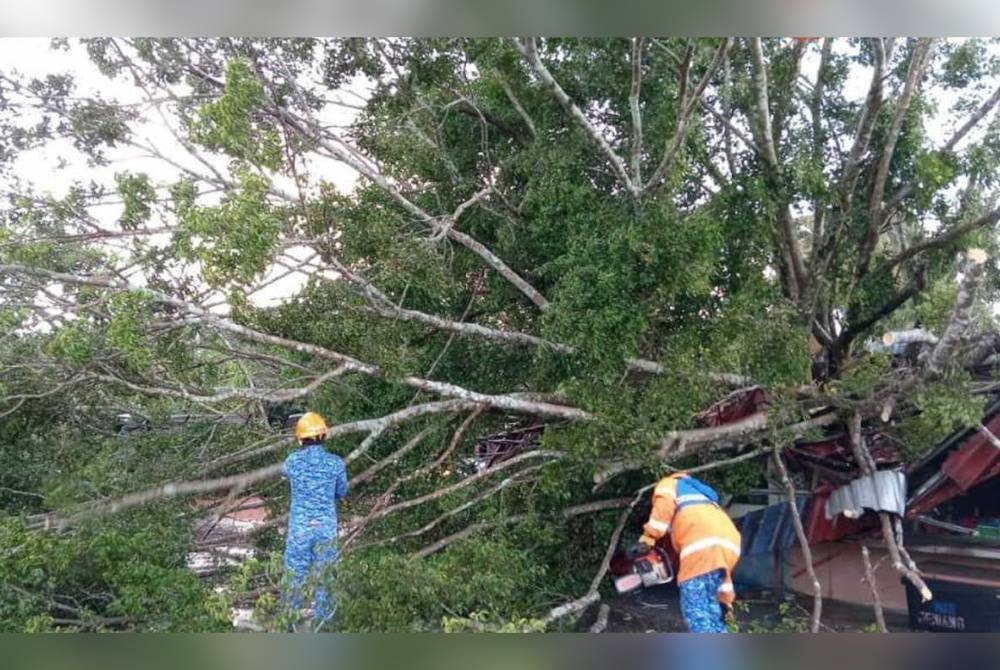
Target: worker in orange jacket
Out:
[707,543]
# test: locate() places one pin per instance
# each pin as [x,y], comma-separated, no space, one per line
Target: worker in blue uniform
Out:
[318,479]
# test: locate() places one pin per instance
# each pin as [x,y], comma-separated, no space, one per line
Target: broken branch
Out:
[867,464]
[800,533]
[876,599]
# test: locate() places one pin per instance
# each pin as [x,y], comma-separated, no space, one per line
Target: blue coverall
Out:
[700,603]
[318,479]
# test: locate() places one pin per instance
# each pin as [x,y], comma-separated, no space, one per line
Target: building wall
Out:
[841,573]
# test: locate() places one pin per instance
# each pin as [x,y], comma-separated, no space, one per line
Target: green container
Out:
[987,530]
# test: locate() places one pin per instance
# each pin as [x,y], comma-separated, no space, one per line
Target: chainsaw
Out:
[652,569]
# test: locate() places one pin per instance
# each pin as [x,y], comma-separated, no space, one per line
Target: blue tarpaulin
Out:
[763,532]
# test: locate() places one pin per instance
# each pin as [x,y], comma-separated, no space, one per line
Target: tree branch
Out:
[633,100]
[972,122]
[866,124]
[948,147]
[731,128]
[941,239]
[680,443]
[876,599]
[568,513]
[961,315]
[446,227]
[516,478]
[517,106]
[350,156]
[223,395]
[898,300]
[763,108]
[793,265]
[611,470]
[381,305]
[348,363]
[530,51]
[447,490]
[386,496]
[800,533]
[239,481]
[687,107]
[392,458]
[601,623]
[867,464]
[918,62]
[593,594]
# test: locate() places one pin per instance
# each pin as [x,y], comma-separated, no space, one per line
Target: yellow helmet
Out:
[309,425]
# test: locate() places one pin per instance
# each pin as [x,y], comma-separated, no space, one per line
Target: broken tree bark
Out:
[800,533]
[908,336]
[602,619]
[572,607]
[988,434]
[962,314]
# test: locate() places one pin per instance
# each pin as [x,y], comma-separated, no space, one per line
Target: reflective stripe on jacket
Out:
[701,533]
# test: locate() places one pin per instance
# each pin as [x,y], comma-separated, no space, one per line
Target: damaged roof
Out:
[965,459]
[962,461]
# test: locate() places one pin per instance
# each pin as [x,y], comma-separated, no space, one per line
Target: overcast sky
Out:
[56,166]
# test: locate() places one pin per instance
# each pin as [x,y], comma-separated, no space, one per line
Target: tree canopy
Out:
[432,240]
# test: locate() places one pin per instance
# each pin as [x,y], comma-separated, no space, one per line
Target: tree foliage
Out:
[595,234]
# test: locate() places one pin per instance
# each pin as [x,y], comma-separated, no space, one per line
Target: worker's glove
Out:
[636,551]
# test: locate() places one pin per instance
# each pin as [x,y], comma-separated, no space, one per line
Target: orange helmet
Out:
[309,425]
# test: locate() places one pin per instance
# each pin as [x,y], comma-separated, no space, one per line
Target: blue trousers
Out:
[700,603]
[310,552]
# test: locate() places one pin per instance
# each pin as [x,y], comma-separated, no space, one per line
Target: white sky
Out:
[53,168]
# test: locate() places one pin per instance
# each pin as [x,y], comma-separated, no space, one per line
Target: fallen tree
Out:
[598,235]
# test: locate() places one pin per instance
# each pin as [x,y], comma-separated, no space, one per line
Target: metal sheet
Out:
[972,463]
[737,405]
[885,491]
[820,529]
[971,460]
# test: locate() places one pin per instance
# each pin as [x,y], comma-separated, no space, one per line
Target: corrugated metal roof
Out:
[820,529]
[927,466]
[885,491]
[972,462]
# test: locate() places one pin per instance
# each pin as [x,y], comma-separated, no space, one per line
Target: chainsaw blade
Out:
[627,583]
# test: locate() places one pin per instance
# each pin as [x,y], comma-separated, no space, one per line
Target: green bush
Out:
[127,572]
[489,578]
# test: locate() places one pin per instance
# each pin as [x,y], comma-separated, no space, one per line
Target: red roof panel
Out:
[972,463]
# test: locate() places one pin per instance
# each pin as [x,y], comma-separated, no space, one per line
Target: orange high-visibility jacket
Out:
[701,533]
